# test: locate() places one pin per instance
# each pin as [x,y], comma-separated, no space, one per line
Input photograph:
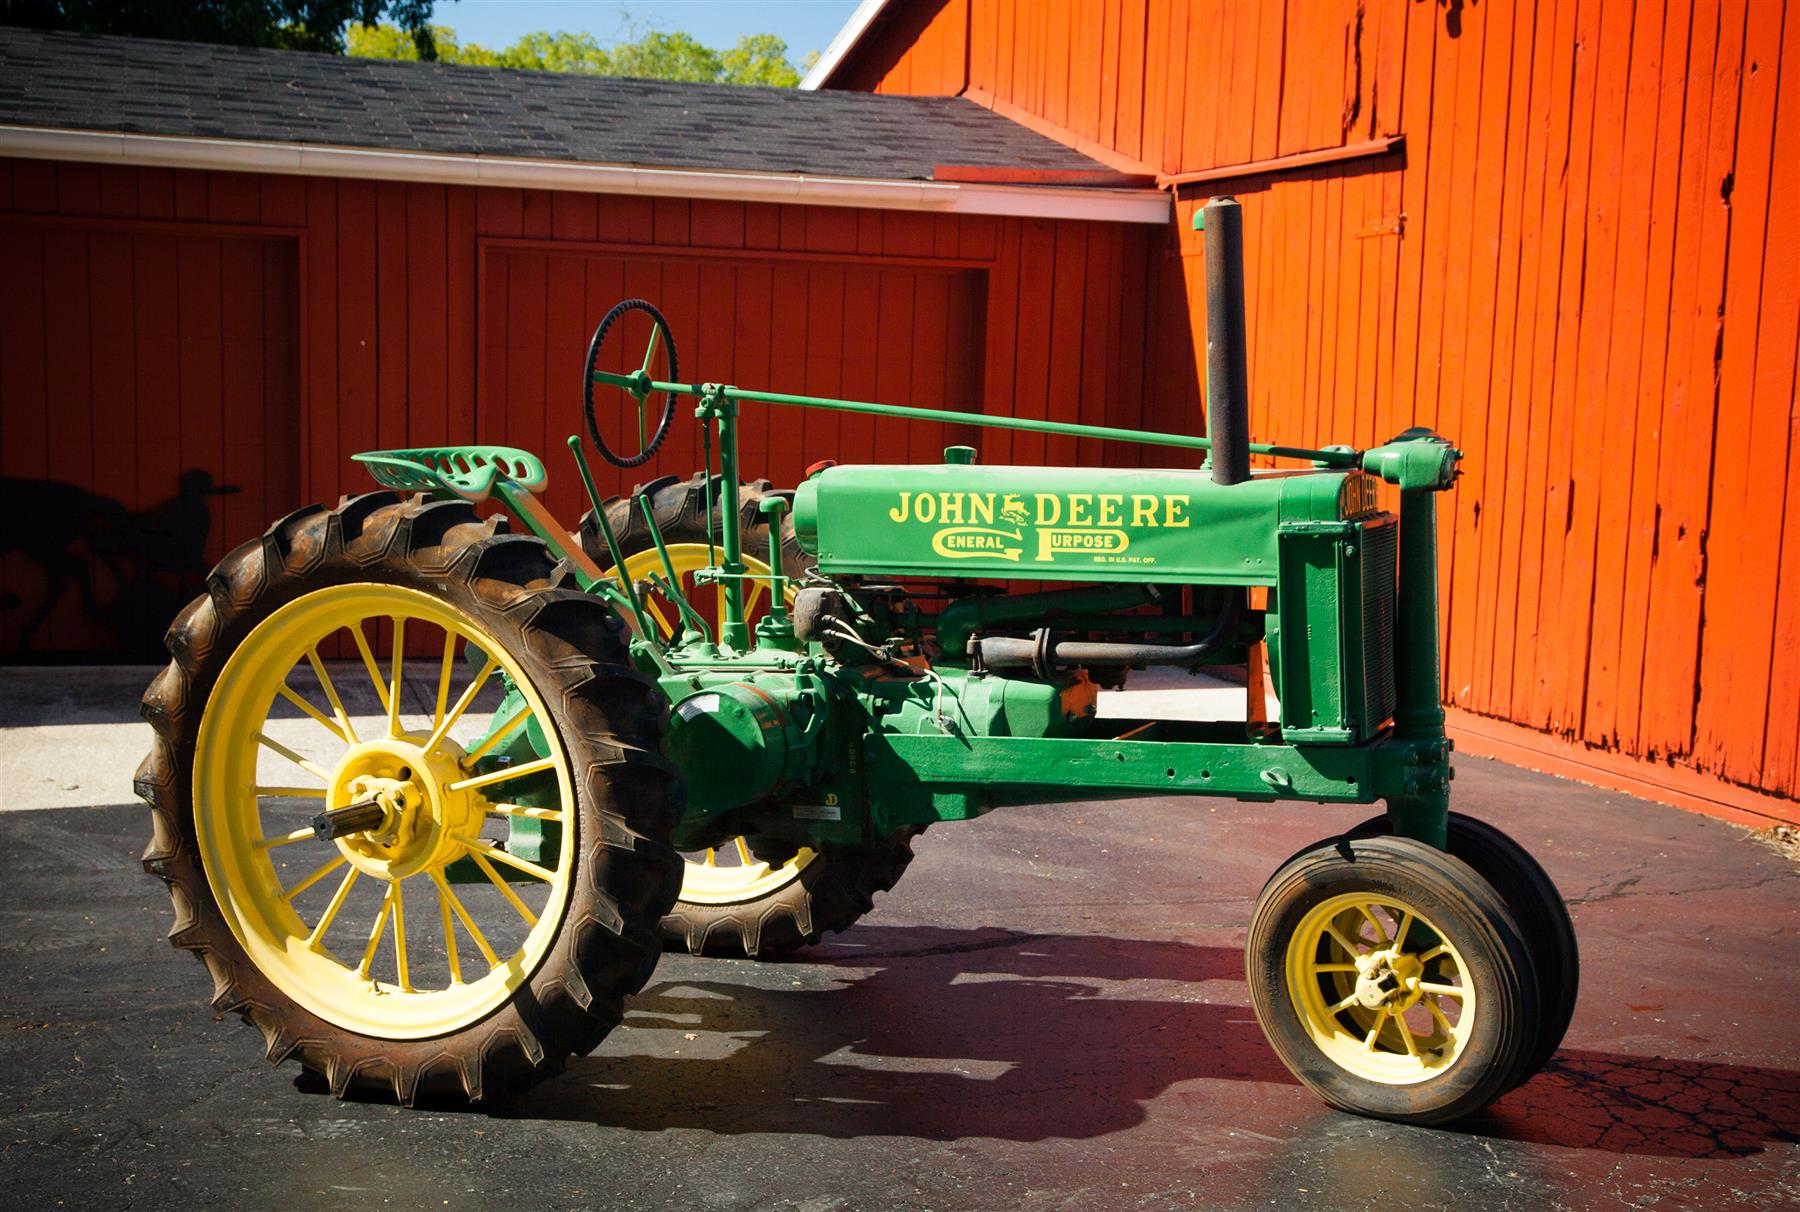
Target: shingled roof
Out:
[140,86]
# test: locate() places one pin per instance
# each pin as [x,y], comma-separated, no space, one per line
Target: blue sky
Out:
[807,25]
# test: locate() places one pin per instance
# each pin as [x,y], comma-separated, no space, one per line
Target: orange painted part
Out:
[1576,268]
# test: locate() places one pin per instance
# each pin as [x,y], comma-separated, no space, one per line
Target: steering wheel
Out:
[636,384]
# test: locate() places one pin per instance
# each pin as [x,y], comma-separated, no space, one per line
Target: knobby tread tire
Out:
[838,887]
[609,717]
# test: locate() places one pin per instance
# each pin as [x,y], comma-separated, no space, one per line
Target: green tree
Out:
[309,25]
[756,59]
[759,59]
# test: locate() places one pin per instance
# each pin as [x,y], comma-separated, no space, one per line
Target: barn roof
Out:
[197,91]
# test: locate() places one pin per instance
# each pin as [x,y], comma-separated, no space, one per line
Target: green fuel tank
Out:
[1065,523]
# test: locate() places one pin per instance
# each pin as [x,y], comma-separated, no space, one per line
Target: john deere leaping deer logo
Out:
[1098,526]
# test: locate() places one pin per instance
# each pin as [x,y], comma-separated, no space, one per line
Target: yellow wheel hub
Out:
[729,874]
[405,928]
[1381,992]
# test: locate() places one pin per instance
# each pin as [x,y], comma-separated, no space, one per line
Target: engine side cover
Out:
[1057,523]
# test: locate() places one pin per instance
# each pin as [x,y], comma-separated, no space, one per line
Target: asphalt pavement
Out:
[1047,1013]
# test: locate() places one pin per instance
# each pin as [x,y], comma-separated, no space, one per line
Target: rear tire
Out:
[1359,951]
[595,939]
[766,915]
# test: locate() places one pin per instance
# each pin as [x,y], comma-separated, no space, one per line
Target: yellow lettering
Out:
[925,507]
[1143,509]
[1049,509]
[1078,509]
[1173,515]
[950,506]
[1110,505]
[981,507]
[899,512]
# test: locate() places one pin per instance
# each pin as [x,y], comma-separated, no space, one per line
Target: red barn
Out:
[1551,229]
[1559,231]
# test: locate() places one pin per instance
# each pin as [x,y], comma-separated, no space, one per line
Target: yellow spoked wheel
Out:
[366,930]
[1392,979]
[394,890]
[732,899]
[1378,989]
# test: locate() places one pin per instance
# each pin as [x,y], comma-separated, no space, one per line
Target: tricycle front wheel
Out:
[1392,979]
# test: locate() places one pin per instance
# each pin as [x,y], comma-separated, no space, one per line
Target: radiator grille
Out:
[1378,611]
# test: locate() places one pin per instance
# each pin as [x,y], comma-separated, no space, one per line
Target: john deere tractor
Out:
[436,778]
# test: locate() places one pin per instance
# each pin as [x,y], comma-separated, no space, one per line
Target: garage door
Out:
[148,406]
[897,334]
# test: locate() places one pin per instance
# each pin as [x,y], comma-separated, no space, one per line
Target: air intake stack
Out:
[1227,375]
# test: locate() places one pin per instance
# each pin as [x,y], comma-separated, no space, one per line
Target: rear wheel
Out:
[1391,979]
[409,949]
[732,901]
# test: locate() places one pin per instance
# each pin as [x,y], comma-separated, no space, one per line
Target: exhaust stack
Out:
[1227,376]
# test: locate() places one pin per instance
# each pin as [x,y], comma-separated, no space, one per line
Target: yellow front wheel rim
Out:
[366,931]
[1379,989]
[729,874]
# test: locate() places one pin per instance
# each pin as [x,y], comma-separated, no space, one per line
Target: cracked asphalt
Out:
[1047,1013]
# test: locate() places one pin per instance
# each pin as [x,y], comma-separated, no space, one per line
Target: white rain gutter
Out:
[312,160]
[841,45]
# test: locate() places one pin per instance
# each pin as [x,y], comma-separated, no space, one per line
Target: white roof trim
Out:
[311,160]
[841,45]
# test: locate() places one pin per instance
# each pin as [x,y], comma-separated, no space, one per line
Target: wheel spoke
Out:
[662,620]
[318,873]
[368,659]
[1406,921]
[1455,991]
[337,704]
[753,597]
[462,704]
[331,910]
[462,915]
[287,692]
[381,920]
[443,900]
[303,793]
[1425,957]
[744,855]
[1343,940]
[498,735]
[711,859]
[1437,1012]
[1380,931]
[399,895]
[443,688]
[503,774]
[1406,1035]
[479,847]
[506,891]
[535,813]
[311,767]
[1334,967]
[286,839]
[1375,1031]
[1338,1007]
[395,659]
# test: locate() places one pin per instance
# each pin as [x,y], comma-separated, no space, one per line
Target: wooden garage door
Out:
[148,416]
[898,334]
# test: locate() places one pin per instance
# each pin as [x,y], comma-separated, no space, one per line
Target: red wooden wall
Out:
[407,313]
[1582,267]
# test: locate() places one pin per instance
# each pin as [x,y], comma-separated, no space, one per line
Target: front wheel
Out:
[334,805]
[1391,979]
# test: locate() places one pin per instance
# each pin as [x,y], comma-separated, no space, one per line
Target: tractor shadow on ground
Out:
[942,1034]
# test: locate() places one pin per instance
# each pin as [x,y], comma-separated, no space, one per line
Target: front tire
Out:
[1391,979]
[480,1003]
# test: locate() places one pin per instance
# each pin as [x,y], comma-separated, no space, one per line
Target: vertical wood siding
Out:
[265,328]
[1582,268]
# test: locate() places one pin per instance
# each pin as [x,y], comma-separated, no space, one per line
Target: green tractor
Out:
[431,795]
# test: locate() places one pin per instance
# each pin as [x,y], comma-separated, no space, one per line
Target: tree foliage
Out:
[756,59]
[309,25]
